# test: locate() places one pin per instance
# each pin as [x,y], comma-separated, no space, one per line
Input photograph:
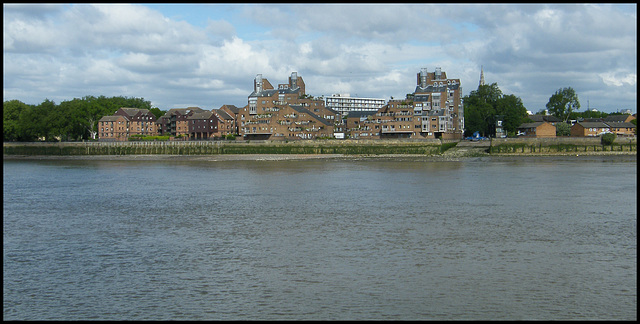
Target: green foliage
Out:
[445,146]
[483,105]
[12,129]
[563,102]
[512,111]
[157,112]
[71,120]
[563,129]
[230,136]
[588,114]
[607,139]
[139,137]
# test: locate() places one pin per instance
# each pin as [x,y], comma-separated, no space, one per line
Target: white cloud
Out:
[373,50]
[618,79]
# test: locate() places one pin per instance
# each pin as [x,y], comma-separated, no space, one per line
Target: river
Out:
[547,238]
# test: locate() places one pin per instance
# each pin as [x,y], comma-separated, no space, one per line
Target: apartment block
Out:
[175,122]
[438,99]
[113,128]
[141,121]
[226,123]
[363,125]
[345,104]
[433,110]
[264,94]
[202,125]
[126,122]
[284,113]
[284,122]
[231,111]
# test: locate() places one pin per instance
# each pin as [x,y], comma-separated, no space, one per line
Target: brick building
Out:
[175,122]
[582,129]
[284,113]
[141,121]
[537,129]
[113,128]
[126,122]
[433,110]
[437,101]
[203,125]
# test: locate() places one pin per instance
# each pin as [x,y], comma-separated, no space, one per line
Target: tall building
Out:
[433,110]
[439,99]
[481,76]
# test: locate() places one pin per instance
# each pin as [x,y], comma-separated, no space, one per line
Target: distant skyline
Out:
[207,55]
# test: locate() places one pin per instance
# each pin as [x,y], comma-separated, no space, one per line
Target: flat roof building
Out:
[344,103]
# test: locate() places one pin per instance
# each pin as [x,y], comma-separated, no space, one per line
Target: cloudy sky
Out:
[177,55]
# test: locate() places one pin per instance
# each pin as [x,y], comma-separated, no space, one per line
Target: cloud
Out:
[618,79]
[371,50]
[220,30]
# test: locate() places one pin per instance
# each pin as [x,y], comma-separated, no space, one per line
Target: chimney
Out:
[258,83]
[423,78]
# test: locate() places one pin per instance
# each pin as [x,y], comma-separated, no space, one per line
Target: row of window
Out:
[122,129]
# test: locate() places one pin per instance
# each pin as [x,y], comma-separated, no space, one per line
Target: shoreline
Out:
[631,156]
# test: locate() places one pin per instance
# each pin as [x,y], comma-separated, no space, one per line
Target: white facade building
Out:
[344,103]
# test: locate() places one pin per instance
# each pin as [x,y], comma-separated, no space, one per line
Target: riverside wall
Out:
[561,145]
[425,147]
[502,146]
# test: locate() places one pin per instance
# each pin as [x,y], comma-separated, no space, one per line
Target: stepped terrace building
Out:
[284,113]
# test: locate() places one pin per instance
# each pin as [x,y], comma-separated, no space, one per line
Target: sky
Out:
[207,55]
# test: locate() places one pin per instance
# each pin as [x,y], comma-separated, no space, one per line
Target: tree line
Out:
[484,106]
[71,120]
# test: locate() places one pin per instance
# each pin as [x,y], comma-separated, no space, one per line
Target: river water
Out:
[335,239]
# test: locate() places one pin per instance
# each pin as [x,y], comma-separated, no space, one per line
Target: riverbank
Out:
[277,150]
[612,156]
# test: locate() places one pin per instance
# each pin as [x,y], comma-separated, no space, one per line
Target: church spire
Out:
[481,76]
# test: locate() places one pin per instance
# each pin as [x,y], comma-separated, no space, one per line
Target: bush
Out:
[608,138]
[563,129]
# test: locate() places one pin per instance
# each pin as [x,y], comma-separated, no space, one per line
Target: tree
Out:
[563,102]
[157,112]
[484,104]
[33,121]
[513,112]
[477,116]
[71,120]
[11,127]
